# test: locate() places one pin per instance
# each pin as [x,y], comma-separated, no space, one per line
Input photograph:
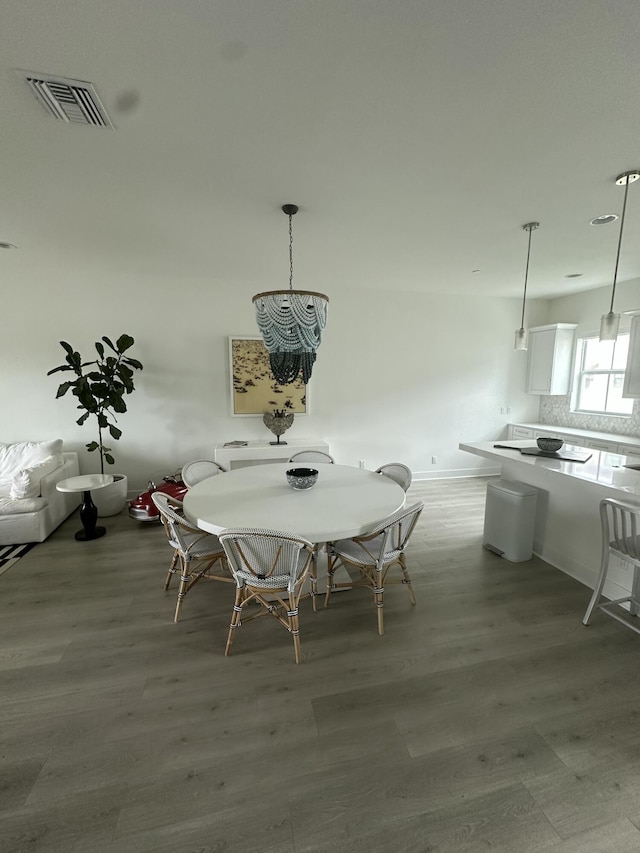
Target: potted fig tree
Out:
[100,387]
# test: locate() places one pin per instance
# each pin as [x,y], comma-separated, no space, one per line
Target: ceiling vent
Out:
[68,100]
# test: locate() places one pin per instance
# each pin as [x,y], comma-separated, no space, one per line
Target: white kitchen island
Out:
[567,531]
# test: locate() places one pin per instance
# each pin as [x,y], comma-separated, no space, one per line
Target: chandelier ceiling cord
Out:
[291,323]
[610,323]
[522,334]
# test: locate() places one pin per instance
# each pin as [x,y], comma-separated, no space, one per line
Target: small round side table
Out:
[88,511]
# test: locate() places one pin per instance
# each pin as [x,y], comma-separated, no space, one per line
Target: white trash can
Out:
[509,519]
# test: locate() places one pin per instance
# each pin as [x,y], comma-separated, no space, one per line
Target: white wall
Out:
[586,308]
[399,376]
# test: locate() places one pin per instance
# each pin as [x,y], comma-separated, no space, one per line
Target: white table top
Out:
[344,502]
[84,483]
[602,469]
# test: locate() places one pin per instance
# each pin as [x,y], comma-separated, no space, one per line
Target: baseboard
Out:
[457,473]
[577,571]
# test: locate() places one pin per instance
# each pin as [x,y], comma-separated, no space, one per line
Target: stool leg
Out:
[635,590]
[597,592]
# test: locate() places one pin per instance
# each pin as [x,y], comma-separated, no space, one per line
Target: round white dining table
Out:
[344,502]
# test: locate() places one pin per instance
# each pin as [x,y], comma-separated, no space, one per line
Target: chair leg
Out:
[332,562]
[313,576]
[236,619]
[597,592]
[378,592]
[182,589]
[407,579]
[172,570]
[294,626]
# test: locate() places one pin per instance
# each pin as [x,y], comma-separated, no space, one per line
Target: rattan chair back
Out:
[200,469]
[312,456]
[397,472]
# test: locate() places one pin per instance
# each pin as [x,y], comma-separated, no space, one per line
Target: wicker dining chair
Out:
[269,568]
[312,456]
[198,552]
[373,555]
[200,469]
[398,472]
[620,524]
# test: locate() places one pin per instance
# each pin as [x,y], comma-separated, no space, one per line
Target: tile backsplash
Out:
[557,411]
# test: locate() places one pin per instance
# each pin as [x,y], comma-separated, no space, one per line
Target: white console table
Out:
[261,452]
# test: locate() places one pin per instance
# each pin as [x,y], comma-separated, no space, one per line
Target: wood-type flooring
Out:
[487,718]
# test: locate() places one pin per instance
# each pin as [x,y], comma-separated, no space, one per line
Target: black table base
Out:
[88,517]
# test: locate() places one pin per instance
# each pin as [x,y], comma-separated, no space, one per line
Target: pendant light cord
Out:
[290,254]
[528,228]
[615,272]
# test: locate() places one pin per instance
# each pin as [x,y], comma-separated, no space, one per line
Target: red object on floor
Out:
[142,507]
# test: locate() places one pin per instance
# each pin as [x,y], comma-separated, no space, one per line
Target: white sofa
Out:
[30,505]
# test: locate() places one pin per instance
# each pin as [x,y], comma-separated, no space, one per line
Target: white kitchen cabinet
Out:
[607,446]
[631,387]
[629,449]
[519,432]
[549,359]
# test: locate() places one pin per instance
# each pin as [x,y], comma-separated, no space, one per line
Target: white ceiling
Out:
[417,137]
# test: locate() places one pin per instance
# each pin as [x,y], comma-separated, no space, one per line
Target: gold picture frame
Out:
[254,391]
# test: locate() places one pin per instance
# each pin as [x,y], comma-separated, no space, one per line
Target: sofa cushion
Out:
[10,507]
[26,481]
[24,454]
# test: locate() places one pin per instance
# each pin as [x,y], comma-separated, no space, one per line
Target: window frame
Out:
[581,372]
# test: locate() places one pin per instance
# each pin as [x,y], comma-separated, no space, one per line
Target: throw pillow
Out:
[23,454]
[26,481]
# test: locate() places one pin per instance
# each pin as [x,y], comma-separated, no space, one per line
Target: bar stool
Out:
[620,538]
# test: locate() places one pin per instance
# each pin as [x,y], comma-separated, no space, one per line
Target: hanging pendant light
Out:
[610,322]
[522,335]
[291,323]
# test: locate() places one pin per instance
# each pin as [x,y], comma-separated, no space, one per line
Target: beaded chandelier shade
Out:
[291,323]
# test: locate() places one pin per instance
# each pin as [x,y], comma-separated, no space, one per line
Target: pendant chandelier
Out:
[291,323]
[522,334]
[610,322]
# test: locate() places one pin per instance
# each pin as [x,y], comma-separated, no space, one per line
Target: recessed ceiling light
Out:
[7,246]
[605,219]
[573,275]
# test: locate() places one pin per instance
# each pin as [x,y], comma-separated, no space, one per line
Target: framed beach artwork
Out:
[254,391]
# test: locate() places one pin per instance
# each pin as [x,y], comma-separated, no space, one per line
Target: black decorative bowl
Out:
[549,445]
[302,478]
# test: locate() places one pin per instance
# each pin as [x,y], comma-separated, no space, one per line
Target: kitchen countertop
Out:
[588,434]
[602,469]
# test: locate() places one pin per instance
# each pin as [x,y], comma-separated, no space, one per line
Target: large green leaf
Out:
[109,459]
[93,445]
[62,389]
[109,342]
[82,419]
[125,342]
[134,363]
[114,432]
[100,349]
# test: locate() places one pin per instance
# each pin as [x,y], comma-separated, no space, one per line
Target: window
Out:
[600,376]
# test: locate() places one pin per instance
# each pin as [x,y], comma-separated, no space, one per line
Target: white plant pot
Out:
[111,499]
